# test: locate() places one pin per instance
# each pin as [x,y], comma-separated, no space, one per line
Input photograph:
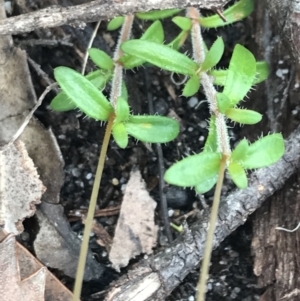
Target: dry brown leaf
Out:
[17,96]
[20,187]
[136,231]
[11,286]
[44,151]
[28,265]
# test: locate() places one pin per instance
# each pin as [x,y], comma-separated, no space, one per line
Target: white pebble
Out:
[193,101]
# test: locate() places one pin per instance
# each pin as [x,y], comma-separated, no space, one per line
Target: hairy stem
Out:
[91,211]
[222,142]
[116,84]
[201,286]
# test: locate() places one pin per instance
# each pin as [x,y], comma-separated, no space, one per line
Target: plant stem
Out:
[222,142]
[201,286]
[91,211]
[116,84]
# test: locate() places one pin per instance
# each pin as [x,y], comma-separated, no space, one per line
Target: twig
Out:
[93,11]
[161,169]
[89,46]
[167,269]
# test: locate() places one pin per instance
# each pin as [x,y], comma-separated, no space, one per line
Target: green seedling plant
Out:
[201,171]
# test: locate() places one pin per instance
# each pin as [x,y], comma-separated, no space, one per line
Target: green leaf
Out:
[243,116]
[154,129]
[154,33]
[183,23]
[238,175]
[161,56]
[124,92]
[122,110]
[264,152]
[234,13]
[120,134]
[101,59]
[211,144]
[241,74]
[83,93]
[115,23]
[240,151]
[179,40]
[157,14]
[62,102]
[219,76]
[223,102]
[262,72]
[214,55]
[194,169]
[192,86]
[206,185]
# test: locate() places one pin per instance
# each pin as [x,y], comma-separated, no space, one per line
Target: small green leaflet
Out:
[122,110]
[241,74]
[179,40]
[192,86]
[262,73]
[115,23]
[154,33]
[223,102]
[211,144]
[243,116]
[264,152]
[157,14]
[120,134]
[240,151]
[161,56]
[101,59]
[234,13]
[194,169]
[83,93]
[62,102]
[238,175]
[183,23]
[214,55]
[153,129]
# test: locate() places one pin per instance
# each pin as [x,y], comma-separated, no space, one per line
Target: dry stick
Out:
[92,12]
[89,46]
[162,195]
[91,211]
[222,142]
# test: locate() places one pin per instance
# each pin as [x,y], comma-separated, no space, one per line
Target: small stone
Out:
[76,172]
[193,101]
[115,182]
[161,107]
[88,176]
[25,236]
[177,197]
